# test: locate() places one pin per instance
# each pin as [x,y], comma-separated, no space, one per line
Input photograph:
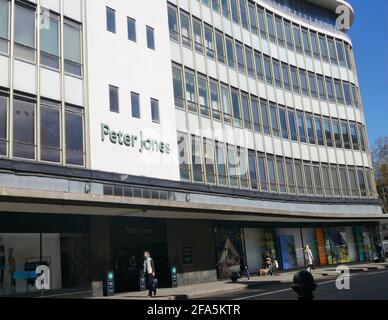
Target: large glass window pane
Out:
[317,179]
[268,70]
[24,32]
[321,88]
[3,125]
[243,12]
[246,111]
[256,114]
[309,179]
[203,94]
[348,93]
[230,52]
[262,24]
[253,18]
[318,128]
[301,127]
[272,173]
[310,128]
[330,89]
[72,49]
[328,132]
[277,74]
[242,167]
[178,87]
[259,66]
[299,177]
[362,138]
[262,172]
[271,27]
[232,165]
[279,31]
[240,58]
[186,29]
[274,120]
[306,42]
[184,156]
[50,131]
[339,93]
[249,62]
[353,182]
[236,108]
[314,44]
[344,181]
[283,123]
[173,23]
[323,47]
[208,149]
[290,176]
[340,52]
[361,181]
[215,100]
[286,77]
[303,81]
[235,11]
[221,164]
[220,47]
[198,37]
[209,42]
[335,180]
[196,158]
[288,32]
[313,85]
[23,129]
[337,133]
[4,19]
[295,80]
[264,116]
[252,169]
[191,95]
[326,180]
[74,127]
[354,135]
[345,134]
[281,174]
[226,103]
[332,51]
[297,39]
[49,40]
[225,8]
[292,124]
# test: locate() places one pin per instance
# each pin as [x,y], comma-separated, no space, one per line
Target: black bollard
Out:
[304,285]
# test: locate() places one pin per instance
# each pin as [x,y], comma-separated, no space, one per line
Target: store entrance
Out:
[130,239]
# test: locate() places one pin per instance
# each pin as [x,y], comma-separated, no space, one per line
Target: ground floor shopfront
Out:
[80,249]
[331,244]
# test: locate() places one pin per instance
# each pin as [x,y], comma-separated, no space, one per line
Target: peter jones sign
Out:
[133,141]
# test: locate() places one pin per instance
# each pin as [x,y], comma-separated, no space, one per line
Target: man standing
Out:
[149,271]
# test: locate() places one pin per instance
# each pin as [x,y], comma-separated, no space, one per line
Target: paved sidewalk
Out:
[201,290]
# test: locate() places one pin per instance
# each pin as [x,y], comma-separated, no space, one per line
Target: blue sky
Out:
[370,41]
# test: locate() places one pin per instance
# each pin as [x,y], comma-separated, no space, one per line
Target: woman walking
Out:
[309,258]
[149,271]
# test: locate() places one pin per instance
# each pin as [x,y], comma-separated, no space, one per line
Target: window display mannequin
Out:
[2,263]
[12,267]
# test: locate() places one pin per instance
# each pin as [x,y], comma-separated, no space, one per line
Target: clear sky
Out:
[370,41]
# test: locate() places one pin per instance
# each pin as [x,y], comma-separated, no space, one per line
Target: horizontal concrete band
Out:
[31,169]
[35,201]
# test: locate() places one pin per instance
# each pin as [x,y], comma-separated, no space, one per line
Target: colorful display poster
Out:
[229,250]
[320,234]
[288,250]
[339,247]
